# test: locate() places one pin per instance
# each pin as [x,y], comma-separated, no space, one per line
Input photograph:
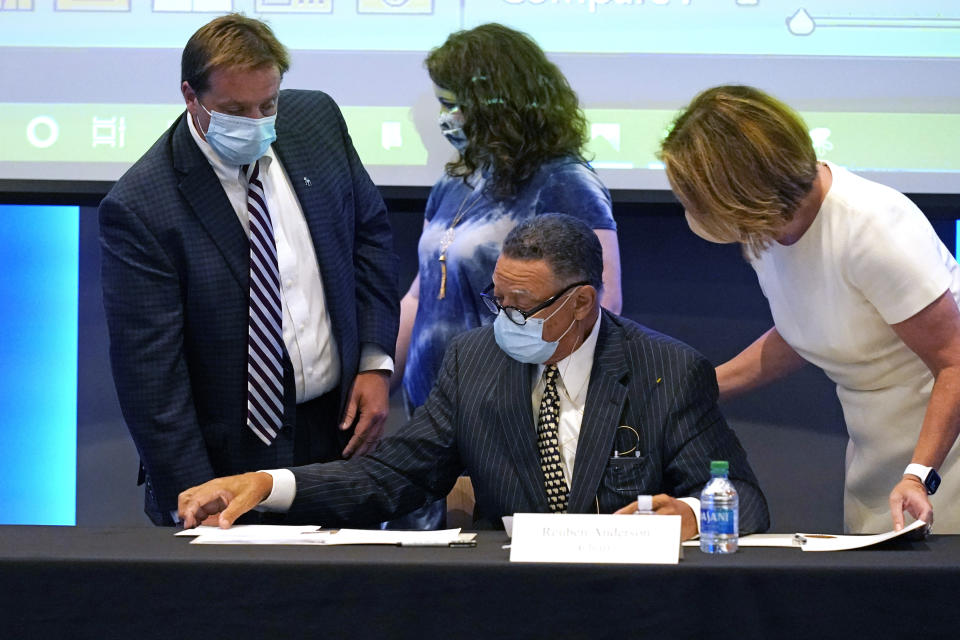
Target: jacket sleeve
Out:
[145,318]
[417,464]
[697,433]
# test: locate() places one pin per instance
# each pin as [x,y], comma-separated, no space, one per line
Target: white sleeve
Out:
[372,358]
[694,504]
[283,492]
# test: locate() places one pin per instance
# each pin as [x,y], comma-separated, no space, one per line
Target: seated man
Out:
[559,406]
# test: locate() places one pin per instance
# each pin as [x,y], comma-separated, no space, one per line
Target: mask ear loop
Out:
[196,120]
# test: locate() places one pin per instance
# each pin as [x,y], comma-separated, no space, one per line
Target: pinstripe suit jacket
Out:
[175,283]
[479,418]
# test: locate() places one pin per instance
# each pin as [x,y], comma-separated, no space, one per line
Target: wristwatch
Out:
[928,476]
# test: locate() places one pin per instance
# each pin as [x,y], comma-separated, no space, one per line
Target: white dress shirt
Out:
[306,320]
[572,381]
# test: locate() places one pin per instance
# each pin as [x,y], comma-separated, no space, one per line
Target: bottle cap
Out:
[719,466]
[644,504]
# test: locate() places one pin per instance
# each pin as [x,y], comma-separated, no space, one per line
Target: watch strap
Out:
[928,476]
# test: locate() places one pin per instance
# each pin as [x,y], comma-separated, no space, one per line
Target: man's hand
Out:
[911,496]
[231,497]
[370,397]
[664,505]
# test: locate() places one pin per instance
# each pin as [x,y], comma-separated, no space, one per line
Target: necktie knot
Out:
[550,373]
[251,171]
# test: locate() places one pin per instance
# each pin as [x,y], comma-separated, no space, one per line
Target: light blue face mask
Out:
[525,343]
[239,140]
[451,126]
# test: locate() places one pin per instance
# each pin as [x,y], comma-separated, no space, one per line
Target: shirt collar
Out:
[225,172]
[575,369]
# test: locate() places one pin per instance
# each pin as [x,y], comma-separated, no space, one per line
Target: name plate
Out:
[608,539]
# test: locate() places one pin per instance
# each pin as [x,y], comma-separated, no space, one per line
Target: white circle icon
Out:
[39,137]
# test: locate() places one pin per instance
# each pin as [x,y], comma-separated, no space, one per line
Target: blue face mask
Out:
[525,343]
[451,126]
[239,140]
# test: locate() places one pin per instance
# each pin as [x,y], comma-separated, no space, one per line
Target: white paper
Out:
[249,531]
[817,541]
[759,540]
[820,542]
[312,535]
[608,539]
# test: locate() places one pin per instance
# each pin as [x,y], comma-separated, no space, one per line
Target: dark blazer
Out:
[479,418]
[175,286]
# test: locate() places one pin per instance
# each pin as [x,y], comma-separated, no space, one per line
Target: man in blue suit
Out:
[559,406]
[248,277]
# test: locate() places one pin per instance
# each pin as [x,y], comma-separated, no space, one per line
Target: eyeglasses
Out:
[519,316]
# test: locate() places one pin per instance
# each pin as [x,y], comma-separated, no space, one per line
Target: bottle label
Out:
[718,521]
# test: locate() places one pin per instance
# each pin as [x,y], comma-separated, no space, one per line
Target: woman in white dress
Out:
[858,283]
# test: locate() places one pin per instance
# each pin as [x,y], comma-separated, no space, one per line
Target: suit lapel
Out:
[606,395]
[202,190]
[301,161]
[515,416]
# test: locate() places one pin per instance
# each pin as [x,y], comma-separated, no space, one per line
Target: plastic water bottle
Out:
[719,512]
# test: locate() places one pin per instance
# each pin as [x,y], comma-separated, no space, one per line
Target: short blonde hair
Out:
[233,40]
[742,161]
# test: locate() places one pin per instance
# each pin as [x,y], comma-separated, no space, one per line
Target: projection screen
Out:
[88,85]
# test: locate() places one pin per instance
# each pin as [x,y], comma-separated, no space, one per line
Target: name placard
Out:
[608,539]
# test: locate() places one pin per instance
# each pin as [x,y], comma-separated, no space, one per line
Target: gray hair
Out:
[567,244]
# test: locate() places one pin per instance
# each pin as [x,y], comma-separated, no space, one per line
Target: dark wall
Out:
[703,294]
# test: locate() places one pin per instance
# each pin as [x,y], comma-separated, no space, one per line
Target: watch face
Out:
[932,482]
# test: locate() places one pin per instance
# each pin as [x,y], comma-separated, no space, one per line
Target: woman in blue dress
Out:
[519,133]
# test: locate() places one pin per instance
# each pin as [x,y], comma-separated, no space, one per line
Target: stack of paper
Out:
[280,534]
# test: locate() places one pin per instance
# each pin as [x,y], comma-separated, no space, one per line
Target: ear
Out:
[585,301]
[189,95]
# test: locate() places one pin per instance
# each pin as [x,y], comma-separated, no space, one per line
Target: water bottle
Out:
[719,512]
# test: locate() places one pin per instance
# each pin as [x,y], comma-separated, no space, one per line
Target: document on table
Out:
[307,535]
[819,541]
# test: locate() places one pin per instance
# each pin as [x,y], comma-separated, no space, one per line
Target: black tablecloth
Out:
[66,582]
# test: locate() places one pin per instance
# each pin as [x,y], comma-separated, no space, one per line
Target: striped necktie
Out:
[265,337]
[548,443]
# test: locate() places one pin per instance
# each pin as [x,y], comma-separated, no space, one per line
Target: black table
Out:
[67,582]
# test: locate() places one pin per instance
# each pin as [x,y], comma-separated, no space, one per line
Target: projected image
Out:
[92,5]
[217,6]
[90,84]
[801,23]
[394,6]
[289,6]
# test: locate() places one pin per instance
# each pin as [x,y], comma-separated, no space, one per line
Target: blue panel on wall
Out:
[39,280]
[956,250]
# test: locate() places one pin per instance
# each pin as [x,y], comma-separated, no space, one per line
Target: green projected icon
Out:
[385,135]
